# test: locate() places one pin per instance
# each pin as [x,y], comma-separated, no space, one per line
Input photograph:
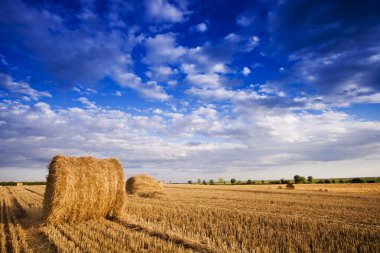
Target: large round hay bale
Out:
[145,186]
[83,188]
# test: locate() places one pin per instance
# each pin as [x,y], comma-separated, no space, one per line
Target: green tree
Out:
[262,181]
[204,182]
[249,181]
[357,180]
[220,180]
[211,181]
[233,181]
[310,179]
[298,179]
[189,182]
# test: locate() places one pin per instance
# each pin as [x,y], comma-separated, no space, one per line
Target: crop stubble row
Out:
[204,219]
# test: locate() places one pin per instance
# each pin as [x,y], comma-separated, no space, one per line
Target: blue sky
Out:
[192,89]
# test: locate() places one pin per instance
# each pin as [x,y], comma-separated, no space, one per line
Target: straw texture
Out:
[144,185]
[83,188]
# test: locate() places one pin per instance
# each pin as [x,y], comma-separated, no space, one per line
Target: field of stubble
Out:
[192,218]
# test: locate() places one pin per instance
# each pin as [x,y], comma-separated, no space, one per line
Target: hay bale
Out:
[19,184]
[290,187]
[83,188]
[145,186]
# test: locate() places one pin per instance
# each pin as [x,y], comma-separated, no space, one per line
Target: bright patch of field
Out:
[192,218]
[343,188]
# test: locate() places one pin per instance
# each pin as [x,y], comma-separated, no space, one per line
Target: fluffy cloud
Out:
[244,20]
[246,71]
[22,88]
[202,27]
[163,11]
[149,89]
[87,103]
[206,139]
[163,49]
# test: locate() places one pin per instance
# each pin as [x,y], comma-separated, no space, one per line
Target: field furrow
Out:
[62,243]
[13,236]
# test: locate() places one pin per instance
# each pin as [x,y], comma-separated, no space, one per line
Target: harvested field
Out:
[192,218]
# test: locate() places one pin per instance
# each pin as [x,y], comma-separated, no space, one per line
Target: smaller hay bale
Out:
[144,186]
[290,187]
[19,184]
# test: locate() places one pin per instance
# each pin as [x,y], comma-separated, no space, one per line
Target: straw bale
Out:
[83,188]
[290,186]
[144,185]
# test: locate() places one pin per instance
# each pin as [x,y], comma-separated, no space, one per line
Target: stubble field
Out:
[194,218]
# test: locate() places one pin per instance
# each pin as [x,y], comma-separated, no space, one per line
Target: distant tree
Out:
[357,180]
[211,181]
[298,179]
[233,181]
[333,181]
[204,182]
[189,182]
[199,181]
[220,180]
[341,181]
[283,181]
[262,181]
[249,181]
[238,182]
[327,181]
[310,179]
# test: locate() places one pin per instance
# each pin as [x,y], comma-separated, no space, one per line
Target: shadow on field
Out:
[188,244]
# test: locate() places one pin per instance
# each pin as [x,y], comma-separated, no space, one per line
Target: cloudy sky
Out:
[192,89]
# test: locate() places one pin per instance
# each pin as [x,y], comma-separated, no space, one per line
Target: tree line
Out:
[297,179]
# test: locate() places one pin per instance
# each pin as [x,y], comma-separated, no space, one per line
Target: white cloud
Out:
[163,49]
[232,37]
[23,88]
[244,20]
[246,71]
[87,103]
[84,90]
[163,10]
[206,139]
[202,27]
[118,93]
[252,43]
[148,89]
[211,80]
